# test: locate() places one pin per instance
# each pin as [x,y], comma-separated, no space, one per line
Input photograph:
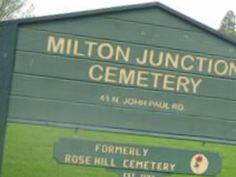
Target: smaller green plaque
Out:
[136,157]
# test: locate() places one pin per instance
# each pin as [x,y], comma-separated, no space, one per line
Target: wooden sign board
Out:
[140,70]
[133,157]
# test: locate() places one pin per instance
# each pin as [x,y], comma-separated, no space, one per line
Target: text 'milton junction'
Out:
[148,57]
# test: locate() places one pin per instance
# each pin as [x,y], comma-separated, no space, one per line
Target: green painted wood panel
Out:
[142,34]
[128,120]
[48,80]
[28,37]
[154,16]
[92,93]
[62,67]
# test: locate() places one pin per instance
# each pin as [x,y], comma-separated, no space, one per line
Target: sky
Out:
[209,12]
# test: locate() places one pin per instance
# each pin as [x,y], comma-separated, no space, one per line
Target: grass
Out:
[29,151]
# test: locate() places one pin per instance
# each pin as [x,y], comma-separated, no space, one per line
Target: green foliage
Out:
[11,9]
[228,24]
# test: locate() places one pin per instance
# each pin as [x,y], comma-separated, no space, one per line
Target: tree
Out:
[11,9]
[228,23]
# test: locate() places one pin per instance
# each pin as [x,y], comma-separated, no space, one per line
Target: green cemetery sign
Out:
[141,70]
[134,157]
